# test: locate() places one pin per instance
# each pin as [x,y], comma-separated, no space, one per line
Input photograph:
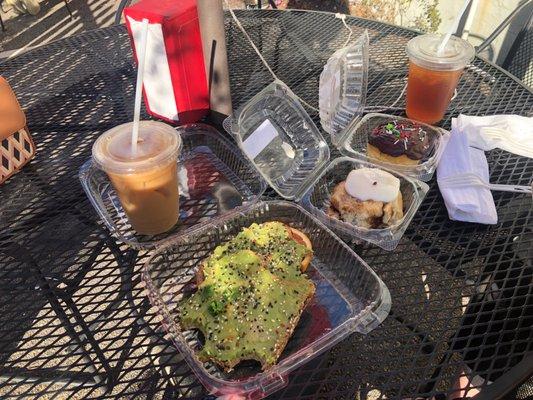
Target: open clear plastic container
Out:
[317,200]
[354,143]
[343,85]
[219,193]
[280,139]
[342,96]
[214,179]
[349,296]
[302,175]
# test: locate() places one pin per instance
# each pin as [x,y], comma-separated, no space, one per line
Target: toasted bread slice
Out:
[301,291]
[282,340]
[300,237]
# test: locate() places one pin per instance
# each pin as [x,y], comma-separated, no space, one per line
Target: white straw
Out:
[141,55]
[453,28]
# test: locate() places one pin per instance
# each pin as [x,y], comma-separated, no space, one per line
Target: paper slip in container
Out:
[175,84]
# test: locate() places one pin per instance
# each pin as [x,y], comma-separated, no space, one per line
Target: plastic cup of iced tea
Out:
[433,76]
[145,180]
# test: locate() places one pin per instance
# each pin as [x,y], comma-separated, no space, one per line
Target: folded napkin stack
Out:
[511,133]
[471,203]
[464,154]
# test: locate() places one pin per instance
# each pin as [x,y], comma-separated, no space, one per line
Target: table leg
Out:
[79,341]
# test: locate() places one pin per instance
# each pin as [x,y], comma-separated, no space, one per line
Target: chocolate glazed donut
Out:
[398,139]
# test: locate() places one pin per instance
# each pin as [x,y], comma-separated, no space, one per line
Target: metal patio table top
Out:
[74,322]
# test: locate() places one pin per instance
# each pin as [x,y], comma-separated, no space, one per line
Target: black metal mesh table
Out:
[74,322]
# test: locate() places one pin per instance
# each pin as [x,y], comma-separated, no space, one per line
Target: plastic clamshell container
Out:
[349,296]
[355,142]
[280,139]
[246,127]
[343,84]
[317,201]
[214,179]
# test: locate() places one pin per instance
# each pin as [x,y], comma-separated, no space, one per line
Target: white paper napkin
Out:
[469,204]
[512,133]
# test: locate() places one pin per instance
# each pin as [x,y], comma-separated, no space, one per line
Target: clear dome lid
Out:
[158,142]
[423,51]
[342,91]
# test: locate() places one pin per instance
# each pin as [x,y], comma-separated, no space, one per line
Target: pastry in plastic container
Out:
[404,145]
[305,173]
[385,222]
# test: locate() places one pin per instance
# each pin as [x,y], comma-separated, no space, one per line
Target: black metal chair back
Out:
[121,6]
[517,60]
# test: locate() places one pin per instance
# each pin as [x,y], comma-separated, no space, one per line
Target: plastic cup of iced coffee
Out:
[145,179]
[433,76]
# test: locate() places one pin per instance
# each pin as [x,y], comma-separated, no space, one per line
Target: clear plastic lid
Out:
[280,139]
[457,53]
[342,89]
[158,143]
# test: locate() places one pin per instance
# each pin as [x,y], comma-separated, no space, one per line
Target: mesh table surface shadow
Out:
[74,322]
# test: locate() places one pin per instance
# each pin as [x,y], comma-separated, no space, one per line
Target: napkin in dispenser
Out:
[16,145]
[471,203]
[174,85]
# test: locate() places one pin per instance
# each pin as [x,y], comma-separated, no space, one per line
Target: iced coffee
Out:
[145,179]
[433,75]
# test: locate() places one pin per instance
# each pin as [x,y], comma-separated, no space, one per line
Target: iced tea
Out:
[429,92]
[434,70]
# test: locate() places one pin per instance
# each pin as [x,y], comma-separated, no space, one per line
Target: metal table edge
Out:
[508,381]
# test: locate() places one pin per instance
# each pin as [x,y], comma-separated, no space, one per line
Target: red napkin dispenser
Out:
[174,85]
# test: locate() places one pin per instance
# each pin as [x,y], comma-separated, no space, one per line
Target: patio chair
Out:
[259,4]
[121,6]
[64,1]
[517,60]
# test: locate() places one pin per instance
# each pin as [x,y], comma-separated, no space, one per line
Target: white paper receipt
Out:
[259,139]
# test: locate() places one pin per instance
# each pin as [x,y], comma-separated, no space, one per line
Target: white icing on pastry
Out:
[372,184]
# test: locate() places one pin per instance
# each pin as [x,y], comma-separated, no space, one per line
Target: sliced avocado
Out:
[252,294]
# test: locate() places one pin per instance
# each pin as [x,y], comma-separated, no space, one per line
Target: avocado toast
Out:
[251,293]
